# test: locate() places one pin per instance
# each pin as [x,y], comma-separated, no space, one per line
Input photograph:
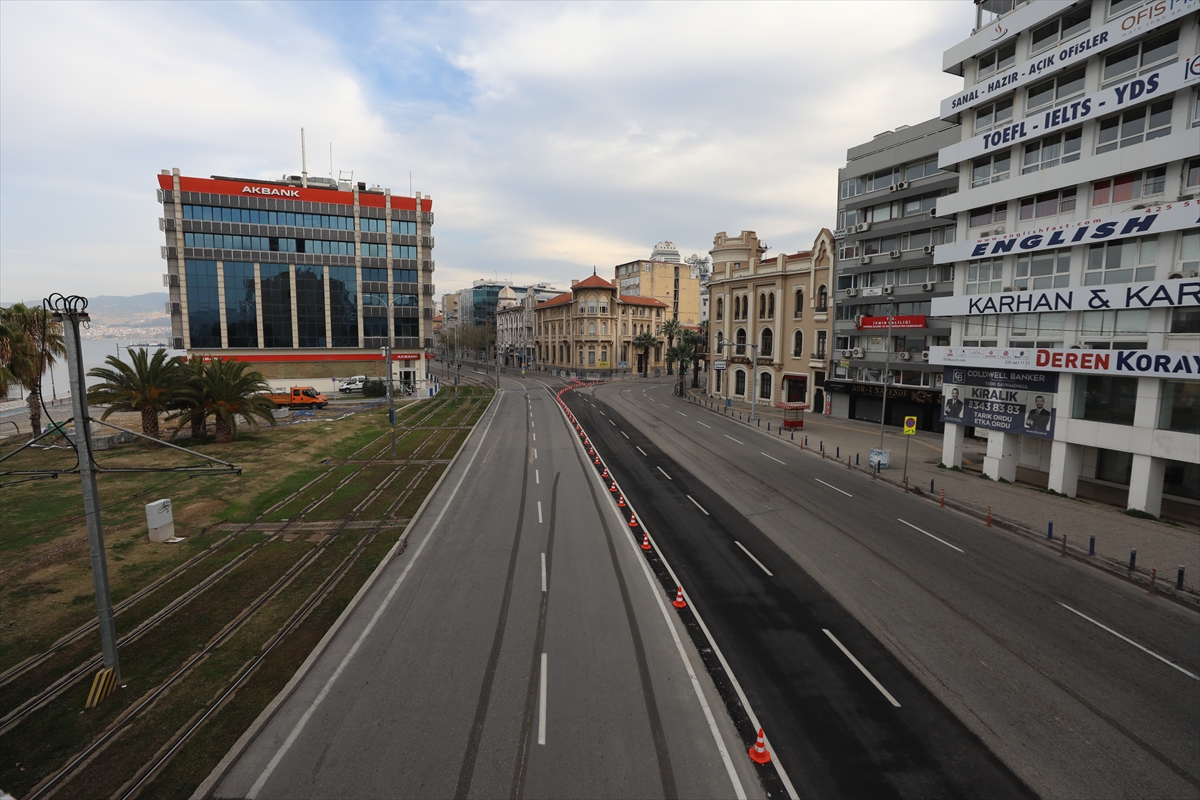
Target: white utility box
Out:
[161,521]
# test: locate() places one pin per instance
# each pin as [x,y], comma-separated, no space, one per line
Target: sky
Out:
[552,137]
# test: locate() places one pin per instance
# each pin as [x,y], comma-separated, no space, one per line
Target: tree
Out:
[670,329]
[12,342]
[681,353]
[226,391]
[185,399]
[696,341]
[645,341]
[149,384]
[32,343]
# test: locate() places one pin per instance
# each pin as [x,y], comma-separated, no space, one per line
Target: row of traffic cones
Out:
[758,753]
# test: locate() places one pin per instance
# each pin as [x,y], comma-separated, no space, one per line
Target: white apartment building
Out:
[1075,319]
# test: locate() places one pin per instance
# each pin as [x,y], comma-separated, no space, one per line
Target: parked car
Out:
[354,384]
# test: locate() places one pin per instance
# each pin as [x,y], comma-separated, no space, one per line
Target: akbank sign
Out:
[1154,294]
[270,190]
[1092,42]
[1142,222]
[1159,83]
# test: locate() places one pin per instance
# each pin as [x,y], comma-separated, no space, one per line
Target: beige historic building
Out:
[780,304]
[675,284]
[592,327]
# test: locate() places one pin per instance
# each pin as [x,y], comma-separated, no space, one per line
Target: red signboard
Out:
[898,323]
[249,188]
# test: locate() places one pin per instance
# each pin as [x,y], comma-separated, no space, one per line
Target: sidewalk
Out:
[1015,507]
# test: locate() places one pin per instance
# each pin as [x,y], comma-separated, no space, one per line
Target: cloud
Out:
[551,136]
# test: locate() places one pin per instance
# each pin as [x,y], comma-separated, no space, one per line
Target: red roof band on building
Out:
[286,191]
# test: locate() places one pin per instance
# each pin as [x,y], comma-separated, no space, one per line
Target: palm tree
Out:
[670,329]
[681,353]
[150,384]
[645,340]
[695,340]
[188,398]
[227,391]
[33,341]
[12,342]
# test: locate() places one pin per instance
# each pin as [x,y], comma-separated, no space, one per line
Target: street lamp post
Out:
[753,368]
[887,360]
[387,363]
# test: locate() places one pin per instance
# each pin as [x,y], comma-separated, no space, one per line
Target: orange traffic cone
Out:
[621,501]
[633,521]
[597,461]
[679,602]
[645,541]
[758,753]
[605,475]
[613,488]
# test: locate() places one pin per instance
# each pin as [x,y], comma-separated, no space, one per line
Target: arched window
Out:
[591,329]
[762,306]
[746,307]
[799,304]
[581,328]
[739,384]
[591,304]
[720,308]
[771,306]
[603,328]
[624,328]
[798,344]
[764,386]
[822,299]
[768,342]
[604,354]
[741,341]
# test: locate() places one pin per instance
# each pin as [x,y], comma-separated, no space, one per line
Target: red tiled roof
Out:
[557,300]
[593,281]
[636,300]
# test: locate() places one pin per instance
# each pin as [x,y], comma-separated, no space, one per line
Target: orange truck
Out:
[299,397]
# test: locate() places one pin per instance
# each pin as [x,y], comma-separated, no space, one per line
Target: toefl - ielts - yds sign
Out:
[1173,364]
[1159,83]
[1142,222]
[1077,50]
[1153,294]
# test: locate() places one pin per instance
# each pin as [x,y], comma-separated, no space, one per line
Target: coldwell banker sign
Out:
[1074,51]
[1143,222]
[1000,400]
[1159,83]
[1154,294]
[1173,364]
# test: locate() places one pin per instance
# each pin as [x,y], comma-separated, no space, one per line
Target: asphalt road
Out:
[469,671]
[1079,684]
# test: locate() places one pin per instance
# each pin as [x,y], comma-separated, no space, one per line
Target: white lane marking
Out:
[610,422]
[542,704]
[543,573]
[535,453]
[602,413]
[362,637]
[727,436]
[831,486]
[680,413]
[626,435]
[773,458]
[664,472]
[862,669]
[539,510]
[532,424]
[930,535]
[752,558]
[1172,664]
[536,477]
[707,426]
[689,497]
[640,450]
[664,405]
[535,437]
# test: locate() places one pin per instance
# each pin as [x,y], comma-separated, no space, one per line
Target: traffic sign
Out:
[719,365]
[910,426]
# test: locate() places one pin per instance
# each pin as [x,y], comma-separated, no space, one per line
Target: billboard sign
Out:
[1001,400]
[1173,364]
[1140,222]
[1160,83]
[1075,51]
[1152,294]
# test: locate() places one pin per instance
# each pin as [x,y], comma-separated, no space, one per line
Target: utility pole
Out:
[70,311]
[887,360]
[387,364]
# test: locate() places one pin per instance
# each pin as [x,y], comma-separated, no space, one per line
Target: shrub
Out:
[374,389]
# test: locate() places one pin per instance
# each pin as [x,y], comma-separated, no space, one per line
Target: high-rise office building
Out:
[306,278]
[1075,335]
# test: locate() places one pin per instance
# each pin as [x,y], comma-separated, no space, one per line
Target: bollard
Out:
[822,451]
[943,498]
[856,459]
[822,445]
[989,519]
[931,485]
[768,427]
[1050,529]
[1179,578]
[906,484]
[838,454]
[1153,576]
[760,422]
[1133,559]
[1064,547]
[806,440]
[793,436]
[1092,545]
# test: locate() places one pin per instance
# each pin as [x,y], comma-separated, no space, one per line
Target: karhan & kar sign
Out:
[1150,220]
[1173,364]
[1000,400]
[1179,292]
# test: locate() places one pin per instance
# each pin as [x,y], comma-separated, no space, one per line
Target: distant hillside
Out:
[137,305]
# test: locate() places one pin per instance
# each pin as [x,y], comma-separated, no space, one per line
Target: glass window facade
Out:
[403,251]
[310,305]
[241,318]
[254,217]
[375,327]
[404,276]
[1104,398]
[1179,409]
[274,244]
[343,306]
[276,305]
[407,328]
[404,227]
[204,310]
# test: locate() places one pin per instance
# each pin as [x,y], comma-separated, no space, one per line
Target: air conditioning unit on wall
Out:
[858,352]
[927,249]
[927,286]
[865,260]
[906,356]
[888,289]
[894,253]
[852,292]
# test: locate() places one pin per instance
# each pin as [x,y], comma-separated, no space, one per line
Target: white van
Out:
[354,384]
